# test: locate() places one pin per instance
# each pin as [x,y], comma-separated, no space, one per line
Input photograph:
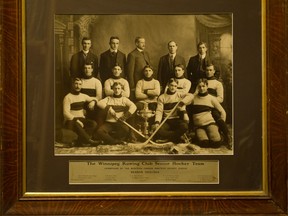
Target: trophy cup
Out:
[145,114]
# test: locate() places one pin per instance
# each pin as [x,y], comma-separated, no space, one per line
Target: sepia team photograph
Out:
[143,84]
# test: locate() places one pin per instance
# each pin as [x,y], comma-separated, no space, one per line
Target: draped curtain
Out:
[214,21]
[216,30]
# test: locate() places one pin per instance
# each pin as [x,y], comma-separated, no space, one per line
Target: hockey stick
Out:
[153,134]
[135,130]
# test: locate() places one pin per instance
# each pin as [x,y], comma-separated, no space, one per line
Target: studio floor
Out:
[141,149]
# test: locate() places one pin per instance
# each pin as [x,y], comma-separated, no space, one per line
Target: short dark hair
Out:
[116,84]
[85,38]
[210,65]
[172,80]
[89,63]
[147,66]
[118,65]
[138,38]
[73,79]
[171,42]
[201,43]
[204,80]
[180,65]
[113,37]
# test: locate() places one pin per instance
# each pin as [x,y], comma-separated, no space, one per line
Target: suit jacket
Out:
[136,61]
[195,70]
[78,61]
[107,62]
[165,71]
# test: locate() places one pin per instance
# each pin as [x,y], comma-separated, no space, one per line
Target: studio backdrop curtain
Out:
[214,21]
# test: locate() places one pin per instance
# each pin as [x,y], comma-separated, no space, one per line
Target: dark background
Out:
[240,172]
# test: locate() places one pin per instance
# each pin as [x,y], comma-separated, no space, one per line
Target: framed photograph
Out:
[69,32]
[123,108]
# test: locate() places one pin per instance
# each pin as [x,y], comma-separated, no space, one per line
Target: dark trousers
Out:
[111,132]
[173,129]
[220,122]
[189,109]
[85,133]
[97,115]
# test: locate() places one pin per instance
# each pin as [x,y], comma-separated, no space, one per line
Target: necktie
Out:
[85,55]
[145,57]
[201,64]
[171,62]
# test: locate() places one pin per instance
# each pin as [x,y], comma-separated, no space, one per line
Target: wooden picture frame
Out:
[14,203]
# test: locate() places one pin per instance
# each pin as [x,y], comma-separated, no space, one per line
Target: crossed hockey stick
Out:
[162,123]
[135,130]
[149,139]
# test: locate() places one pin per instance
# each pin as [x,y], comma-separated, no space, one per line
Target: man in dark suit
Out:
[136,61]
[196,68]
[110,58]
[167,64]
[79,59]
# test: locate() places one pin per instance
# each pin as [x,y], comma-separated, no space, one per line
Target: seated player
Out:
[146,93]
[206,128]
[108,90]
[184,85]
[215,88]
[117,107]
[93,88]
[73,111]
[147,89]
[177,124]
[91,85]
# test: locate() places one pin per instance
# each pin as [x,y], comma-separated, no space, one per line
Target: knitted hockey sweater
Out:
[92,87]
[119,104]
[147,91]
[183,86]
[73,105]
[202,106]
[108,86]
[166,103]
[215,88]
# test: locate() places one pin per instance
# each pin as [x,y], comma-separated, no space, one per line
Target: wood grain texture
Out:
[12,202]
[277,121]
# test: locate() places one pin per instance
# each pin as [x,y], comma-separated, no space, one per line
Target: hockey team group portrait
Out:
[143,84]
